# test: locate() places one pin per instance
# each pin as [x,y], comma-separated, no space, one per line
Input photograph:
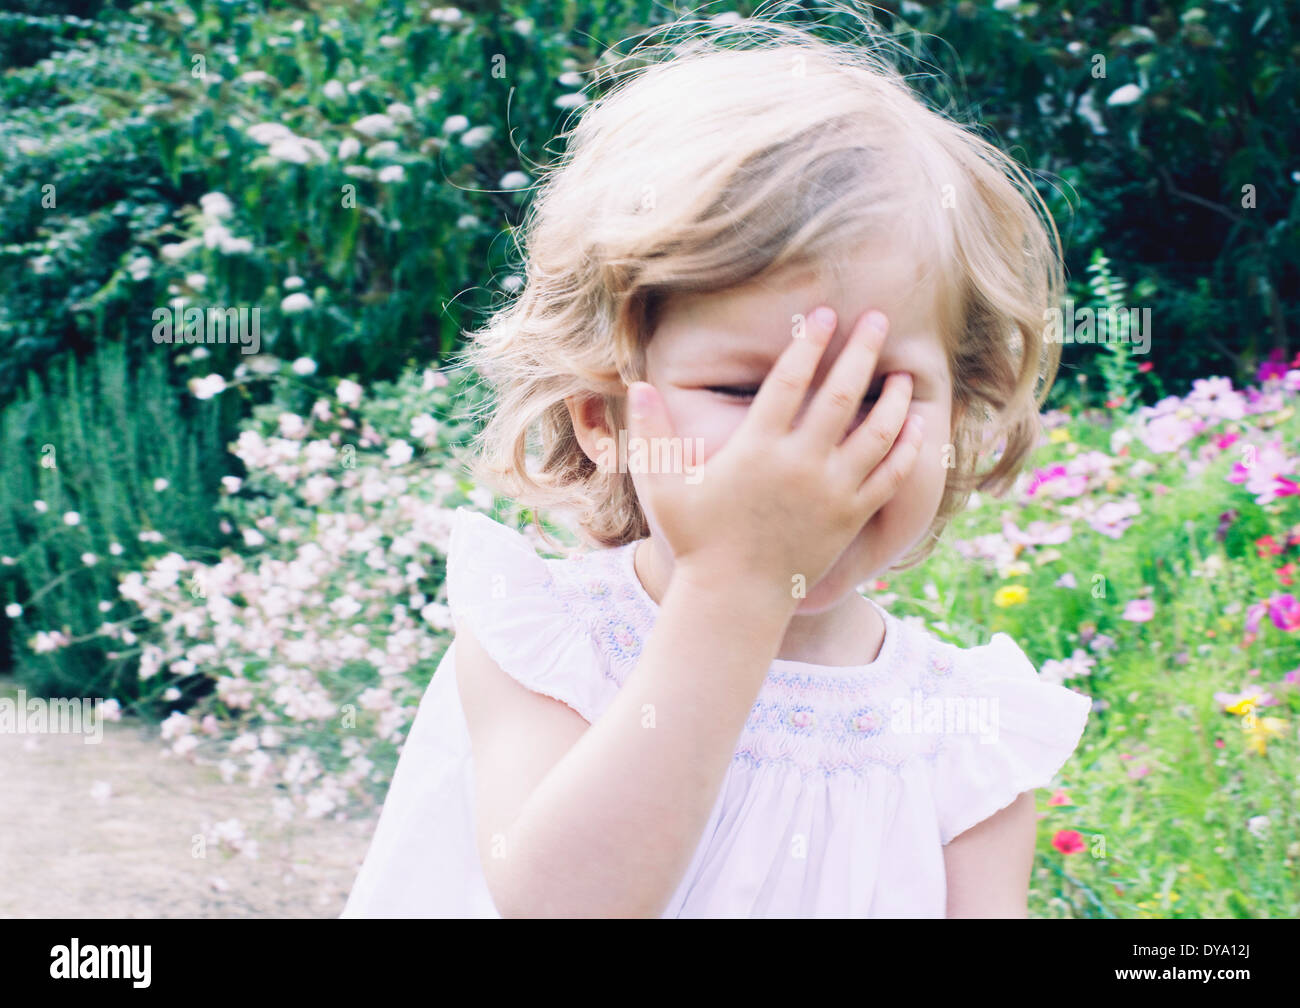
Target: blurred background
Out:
[241,543]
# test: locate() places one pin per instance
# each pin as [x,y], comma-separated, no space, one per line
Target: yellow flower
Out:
[1009,595]
[1243,706]
[1258,734]
[1058,435]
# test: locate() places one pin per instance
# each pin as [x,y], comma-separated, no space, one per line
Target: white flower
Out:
[454,124]
[349,147]
[13,610]
[349,392]
[512,282]
[293,283]
[399,453]
[392,173]
[424,427]
[89,559]
[1258,825]
[477,136]
[447,15]
[384,150]
[389,41]
[1005,4]
[1125,95]
[466,221]
[254,77]
[568,101]
[116,549]
[513,180]
[295,303]
[268,133]
[304,366]
[235,246]
[206,388]
[252,537]
[298,150]
[356,85]
[216,205]
[197,281]
[200,353]
[399,112]
[160,484]
[71,518]
[140,267]
[375,125]
[523,26]
[40,506]
[570,79]
[231,483]
[333,90]
[175,251]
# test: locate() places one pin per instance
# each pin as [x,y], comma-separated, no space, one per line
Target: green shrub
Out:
[88,444]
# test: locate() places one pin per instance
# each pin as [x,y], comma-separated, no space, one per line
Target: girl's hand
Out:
[777,501]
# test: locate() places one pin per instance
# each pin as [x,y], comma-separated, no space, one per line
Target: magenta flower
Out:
[1274,367]
[1042,476]
[1138,611]
[1284,611]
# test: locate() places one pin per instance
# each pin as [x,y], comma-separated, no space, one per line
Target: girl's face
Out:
[710,353]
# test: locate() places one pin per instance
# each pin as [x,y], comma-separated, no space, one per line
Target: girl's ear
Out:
[587,414]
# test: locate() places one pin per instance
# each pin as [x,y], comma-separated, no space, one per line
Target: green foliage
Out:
[89,441]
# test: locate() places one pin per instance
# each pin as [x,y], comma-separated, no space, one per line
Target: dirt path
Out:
[69,851]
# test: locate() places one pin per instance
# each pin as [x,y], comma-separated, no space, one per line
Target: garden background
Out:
[245,550]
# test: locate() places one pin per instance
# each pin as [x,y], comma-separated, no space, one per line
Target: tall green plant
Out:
[102,466]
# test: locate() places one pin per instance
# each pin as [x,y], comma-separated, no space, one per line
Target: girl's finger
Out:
[863,450]
[782,393]
[840,396]
[887,478]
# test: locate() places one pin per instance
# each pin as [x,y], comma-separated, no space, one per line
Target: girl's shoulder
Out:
[1003,728]
[559,626]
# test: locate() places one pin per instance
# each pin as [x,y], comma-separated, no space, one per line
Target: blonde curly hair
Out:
[747,148]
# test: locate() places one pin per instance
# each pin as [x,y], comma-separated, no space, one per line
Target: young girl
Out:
[702,716]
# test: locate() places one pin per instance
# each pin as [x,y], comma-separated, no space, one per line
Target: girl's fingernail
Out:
[877,321]
[824,317]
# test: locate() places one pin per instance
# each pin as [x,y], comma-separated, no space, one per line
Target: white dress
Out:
[845,786]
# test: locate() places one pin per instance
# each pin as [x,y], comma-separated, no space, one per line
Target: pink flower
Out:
[1138,611]
[1284,611]
[1274,367]
[1059,797]
[1042,476]
[1068,841]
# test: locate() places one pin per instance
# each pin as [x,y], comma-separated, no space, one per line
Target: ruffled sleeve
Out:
[1028,729]
[501,589]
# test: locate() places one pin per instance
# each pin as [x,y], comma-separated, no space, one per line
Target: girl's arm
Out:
[602,820]
[988,866]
